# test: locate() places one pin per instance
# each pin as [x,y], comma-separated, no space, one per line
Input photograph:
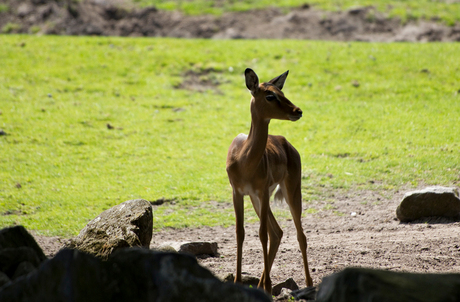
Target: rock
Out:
[245,279]
[24,268]
[18,236]
[69,276]
[361,284]
[431,201]
[166,248]
[289,284]
[19,253]
[284,295]
[250,280]
[15,262]
[307,293]
[194,248]
[182,279]
[24,9]
[132,274]
[226,277]
[4,279]
[126,225]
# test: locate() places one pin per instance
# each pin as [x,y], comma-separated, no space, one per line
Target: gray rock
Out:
[12,258]
[194,248]
[15,237]
[289,284]
[4,279]
[284,295]
[126,225]
[132,274]
[307,293]
[245,279]
[360,285]
[431,201]
[24,268]
[24,9]
[19,254]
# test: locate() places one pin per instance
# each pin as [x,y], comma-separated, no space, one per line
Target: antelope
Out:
[259,163]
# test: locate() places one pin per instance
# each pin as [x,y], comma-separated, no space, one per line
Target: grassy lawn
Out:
[447,11]
[376,116]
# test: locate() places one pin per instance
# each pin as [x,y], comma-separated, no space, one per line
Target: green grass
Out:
[57,95]
[448,11]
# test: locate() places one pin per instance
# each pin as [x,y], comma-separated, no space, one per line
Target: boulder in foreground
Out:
[362,285]
[131,274]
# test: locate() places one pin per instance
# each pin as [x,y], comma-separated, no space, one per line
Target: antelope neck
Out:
[256,141]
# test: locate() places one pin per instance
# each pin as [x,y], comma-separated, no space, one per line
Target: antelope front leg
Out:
[238,204]
[265,281]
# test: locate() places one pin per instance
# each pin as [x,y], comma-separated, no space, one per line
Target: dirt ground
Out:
[121,18]
[372,238]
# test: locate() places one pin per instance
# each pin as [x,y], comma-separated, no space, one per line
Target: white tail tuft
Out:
[279,197]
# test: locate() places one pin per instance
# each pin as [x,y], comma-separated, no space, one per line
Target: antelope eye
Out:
[270,97]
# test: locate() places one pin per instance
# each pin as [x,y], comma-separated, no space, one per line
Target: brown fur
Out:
[257,163]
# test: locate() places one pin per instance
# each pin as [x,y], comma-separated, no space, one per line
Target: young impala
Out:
[258,163]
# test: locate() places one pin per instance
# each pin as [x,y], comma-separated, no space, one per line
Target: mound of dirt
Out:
[111,18]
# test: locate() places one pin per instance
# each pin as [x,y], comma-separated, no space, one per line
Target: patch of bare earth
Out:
[337,238]
[121,18]
[201,80]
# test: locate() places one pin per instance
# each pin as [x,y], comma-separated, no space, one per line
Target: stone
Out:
[284,295]
[247,280]
[289,284]
[24,9]
[18,236]
[307,293]
[4,279]
[131,274]
[128,224]
[362,284]
[23,268]
[432,201]
[11,259]
[194,248]
[19,253]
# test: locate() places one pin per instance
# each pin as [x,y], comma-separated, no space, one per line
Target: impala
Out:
[259,163]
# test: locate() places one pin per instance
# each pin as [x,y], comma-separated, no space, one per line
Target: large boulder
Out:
[132,274]
[128,224]
[19,254]
[432,201]
[361,284]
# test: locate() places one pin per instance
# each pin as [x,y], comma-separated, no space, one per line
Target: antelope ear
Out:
[279,80]
[252,80]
